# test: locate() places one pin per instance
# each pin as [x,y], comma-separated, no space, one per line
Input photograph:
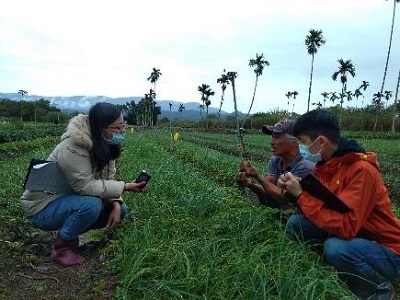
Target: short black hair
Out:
[101,115]
[318,122]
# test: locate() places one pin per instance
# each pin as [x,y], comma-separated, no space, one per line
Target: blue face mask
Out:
[305,152]
[116,139]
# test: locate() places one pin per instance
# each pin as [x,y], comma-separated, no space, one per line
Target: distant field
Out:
[257,147]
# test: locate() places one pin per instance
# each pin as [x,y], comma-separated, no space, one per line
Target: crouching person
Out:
[286,158]
[86,157]
[363,242]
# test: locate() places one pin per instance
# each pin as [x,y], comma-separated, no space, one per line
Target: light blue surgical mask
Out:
[116,139]
[306,153]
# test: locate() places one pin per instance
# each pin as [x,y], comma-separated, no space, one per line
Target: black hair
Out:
[318,122]
[101,115]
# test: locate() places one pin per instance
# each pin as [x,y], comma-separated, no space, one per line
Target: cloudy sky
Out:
[98,47]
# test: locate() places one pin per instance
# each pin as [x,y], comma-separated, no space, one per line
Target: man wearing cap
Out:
[286,158]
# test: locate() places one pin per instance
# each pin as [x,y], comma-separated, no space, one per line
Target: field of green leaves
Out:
[194,234]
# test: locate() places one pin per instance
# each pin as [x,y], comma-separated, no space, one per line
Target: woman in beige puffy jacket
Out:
[86,155]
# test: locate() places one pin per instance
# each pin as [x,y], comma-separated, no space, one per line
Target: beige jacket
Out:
[73,155]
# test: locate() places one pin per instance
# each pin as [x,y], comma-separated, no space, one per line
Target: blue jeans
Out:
[73,215]
[357,256]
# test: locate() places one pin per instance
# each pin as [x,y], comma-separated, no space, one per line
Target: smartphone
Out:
[143,176]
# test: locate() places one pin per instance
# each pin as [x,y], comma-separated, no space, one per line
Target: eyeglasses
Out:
[121,126]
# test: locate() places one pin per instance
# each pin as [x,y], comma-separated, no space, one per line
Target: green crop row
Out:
[216,164]
[192,237]
[17,148]
[14,133]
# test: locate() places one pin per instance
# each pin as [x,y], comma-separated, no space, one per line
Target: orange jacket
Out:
[355,178]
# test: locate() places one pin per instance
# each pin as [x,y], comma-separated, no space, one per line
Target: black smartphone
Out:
[143,176]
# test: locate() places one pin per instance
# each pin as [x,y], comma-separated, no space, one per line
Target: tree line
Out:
[31,111]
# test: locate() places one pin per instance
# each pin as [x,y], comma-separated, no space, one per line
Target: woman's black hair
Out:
[318,122]
[101,115]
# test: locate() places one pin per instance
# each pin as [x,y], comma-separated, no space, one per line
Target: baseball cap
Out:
[283,126]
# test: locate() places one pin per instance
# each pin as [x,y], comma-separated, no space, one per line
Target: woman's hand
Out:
[115,216]
[135,186]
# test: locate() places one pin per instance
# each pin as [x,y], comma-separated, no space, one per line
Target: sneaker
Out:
[384,291]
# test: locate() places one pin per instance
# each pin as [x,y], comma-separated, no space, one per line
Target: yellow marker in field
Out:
[176,136]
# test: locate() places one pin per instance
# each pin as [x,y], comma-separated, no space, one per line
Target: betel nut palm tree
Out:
[170,124]
[294,94]
[153,78]
[206,92]
[22,93]
[325,95]
[181,109]
[207,100]
[145,107]
[364,85]
[258,63]
[232,77]
[334,97]
[289,95]
[357,94]
[395,114]
[224,81]
[208,103]
[378,104]
[345,68]
[390,45]
[387,62]
[314,40]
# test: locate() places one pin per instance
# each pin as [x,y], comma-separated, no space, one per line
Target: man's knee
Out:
[332,246]
[335,250]
[293,225]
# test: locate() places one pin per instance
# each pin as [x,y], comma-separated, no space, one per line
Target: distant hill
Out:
[83,103]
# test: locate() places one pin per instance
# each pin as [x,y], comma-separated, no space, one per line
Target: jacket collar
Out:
[78,130]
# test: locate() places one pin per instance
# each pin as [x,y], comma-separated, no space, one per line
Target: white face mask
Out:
[307,154]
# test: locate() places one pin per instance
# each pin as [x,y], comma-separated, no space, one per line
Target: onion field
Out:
[194,234]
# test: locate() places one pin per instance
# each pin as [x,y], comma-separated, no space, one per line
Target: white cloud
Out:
[109,48]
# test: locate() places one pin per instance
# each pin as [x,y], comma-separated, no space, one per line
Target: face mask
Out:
[116,139]
[305,152]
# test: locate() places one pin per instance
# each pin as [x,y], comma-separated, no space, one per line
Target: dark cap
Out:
[283,126]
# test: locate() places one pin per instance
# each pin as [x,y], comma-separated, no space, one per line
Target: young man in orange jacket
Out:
[364,241]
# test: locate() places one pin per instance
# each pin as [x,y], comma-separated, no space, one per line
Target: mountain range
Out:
[83,103]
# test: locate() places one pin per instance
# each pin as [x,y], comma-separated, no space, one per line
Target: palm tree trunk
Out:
[376,122]
[220,105]
[395,116]
[309,88]
[341,103]
[390,46]
[239,132]
[170,128]
[252,100]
